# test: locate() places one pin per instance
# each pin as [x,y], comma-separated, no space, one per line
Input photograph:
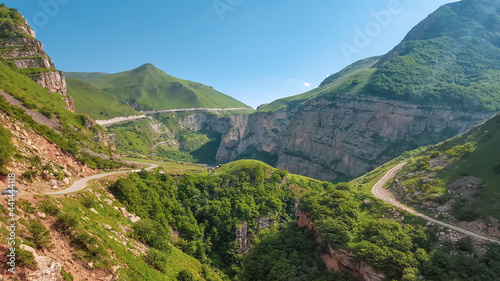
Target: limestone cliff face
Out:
[27,52]
[342,137]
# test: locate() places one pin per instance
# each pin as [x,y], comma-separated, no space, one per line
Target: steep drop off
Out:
[440,81]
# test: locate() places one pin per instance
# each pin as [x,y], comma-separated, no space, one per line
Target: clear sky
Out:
[254,50]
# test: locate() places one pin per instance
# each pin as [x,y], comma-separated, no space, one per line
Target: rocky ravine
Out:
[27,52]
[335,139]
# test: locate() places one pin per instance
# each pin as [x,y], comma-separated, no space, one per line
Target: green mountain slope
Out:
[84,75]
[451,57]
[95,102]
[462,173]
[149,88]
[350,79]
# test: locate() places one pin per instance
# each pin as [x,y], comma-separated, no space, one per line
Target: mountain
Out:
[43,140]
[84,75]
[458,179]
[440,81]
[147,88]
[19,46]
[96,102]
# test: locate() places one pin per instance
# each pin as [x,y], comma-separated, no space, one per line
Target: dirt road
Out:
[82,183]
[383,194]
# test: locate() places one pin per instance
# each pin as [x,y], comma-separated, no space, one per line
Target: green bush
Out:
[39,235]
[66,222]
[89,201]
[185,275]
[66,275]
[25,259]
[460,150]
[157,259]
[49,207]
[152,233]
[29,175]
[6,147]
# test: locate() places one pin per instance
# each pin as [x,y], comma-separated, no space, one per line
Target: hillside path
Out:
[383,194]
[82,183]
[144,114]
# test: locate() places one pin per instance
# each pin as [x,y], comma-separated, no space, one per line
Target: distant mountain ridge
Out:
[148,88]
[440,81]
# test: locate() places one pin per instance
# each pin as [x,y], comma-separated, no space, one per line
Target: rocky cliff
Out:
[338,259]
[341,137]
[22,49]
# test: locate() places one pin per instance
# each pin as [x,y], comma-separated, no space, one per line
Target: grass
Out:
[136,268]
[95,102]
[152,89]
[171,167]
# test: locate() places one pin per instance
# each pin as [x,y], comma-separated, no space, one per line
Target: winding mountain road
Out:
[383,194]
[82,183]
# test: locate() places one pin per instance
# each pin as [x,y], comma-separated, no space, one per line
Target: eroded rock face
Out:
[345,136]
[48,269]
[338,259]
[27,52]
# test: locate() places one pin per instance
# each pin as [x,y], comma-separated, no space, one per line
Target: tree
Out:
[39,235]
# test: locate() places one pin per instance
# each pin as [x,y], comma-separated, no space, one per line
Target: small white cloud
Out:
[301,82]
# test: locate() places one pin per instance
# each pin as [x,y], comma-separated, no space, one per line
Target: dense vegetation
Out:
[149,88]
[165,137]
[451,58]
[10,19]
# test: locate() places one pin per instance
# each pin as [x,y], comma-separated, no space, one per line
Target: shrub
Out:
[66,275]
[152,233]
[6,147]
[25,259]
[39,235]
[157,259]
[185,275]
[461,150]
[66,222]
[435,154]
[49,207]
[89,201]
[29,175]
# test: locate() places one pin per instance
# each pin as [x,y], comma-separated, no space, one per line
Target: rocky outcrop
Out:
[339,259]
[242,237]
[27,52]
[48,269]
[341,137]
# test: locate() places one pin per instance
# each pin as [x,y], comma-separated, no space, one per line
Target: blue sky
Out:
[254,50]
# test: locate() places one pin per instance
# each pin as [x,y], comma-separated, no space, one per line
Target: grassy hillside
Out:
[462,173]
[149,88]
[95,102]
[351,79]
[451,57]
[84,75]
